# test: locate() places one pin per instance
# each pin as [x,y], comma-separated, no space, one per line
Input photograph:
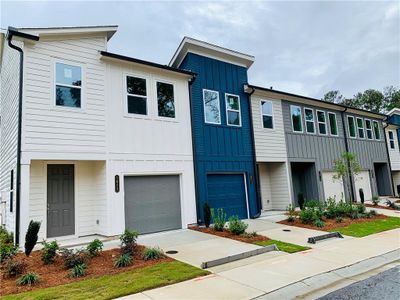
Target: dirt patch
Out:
[56,274]
[227,234]
[380,206]
[331,223]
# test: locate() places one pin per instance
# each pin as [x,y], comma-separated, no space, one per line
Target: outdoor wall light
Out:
[116,178]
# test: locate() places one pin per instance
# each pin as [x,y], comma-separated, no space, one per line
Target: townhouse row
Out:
[93,142]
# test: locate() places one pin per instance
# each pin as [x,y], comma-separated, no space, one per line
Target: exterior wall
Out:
[90,196]
[220,148]
[396,181]
[394,154]
[9,128]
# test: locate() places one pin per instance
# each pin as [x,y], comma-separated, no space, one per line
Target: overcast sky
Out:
[300,47]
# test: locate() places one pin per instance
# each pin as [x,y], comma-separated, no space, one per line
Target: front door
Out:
[60,200]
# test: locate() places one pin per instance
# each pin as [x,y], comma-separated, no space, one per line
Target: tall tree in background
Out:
[333,97]
[371,100]
[392,97]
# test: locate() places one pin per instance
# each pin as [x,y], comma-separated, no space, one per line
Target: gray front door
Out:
[60,200]
[152,203]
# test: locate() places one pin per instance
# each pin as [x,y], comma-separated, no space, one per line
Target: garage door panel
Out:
[363,181]
[152,203]
[332,187]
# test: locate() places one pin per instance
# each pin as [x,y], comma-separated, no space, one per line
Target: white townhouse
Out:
[97,142]
[392,131]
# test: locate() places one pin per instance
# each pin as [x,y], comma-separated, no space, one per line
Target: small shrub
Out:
[300,200]
[237,226]
[94,247]
[123,260]
[219,219]
[5,236]
[73,258]
[31,236]
[128,241]
[331,210]
[291,213]
[7,251]
[344,209]
[375,200]
[355,215]
[291,219]
[312,203]
[49,252]
[308,215]
[361,208]
[153,253]
[339,219]
[318,223]
[249,234]
[373,212]
[78,270]
[29,278]
[207,215]
[14,267]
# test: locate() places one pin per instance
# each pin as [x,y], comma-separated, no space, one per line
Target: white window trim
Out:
[301,118]
[313,121]
[348,127]
[262,114]
[234,110]
[366,129]
[126,94]
[391,140]
[329,122]
[358,128]
[318,122]
[204,108]
[380,134]
[82,87]
[156,98]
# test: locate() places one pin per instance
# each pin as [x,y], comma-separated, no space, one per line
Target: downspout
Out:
[388,157]
[256,179]
[346,144]
[18,179]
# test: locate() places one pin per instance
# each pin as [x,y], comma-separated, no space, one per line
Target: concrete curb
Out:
[231,258]
[304,288]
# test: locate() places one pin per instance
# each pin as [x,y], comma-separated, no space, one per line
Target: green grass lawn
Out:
[282,246]
[367,228]
[111,286]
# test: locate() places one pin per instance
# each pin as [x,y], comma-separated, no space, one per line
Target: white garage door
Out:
[332,187]
[362,181]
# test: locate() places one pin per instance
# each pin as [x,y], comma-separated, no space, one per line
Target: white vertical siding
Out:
[265,186]
[394,154]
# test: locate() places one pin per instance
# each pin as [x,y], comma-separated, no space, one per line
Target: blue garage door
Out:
[227,191]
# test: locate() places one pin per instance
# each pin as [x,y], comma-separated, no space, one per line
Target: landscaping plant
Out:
[123,260]
[73,258]
[128,241]
[237,226]
[219,219]
[300,200]
[29,278]
[392,204]
[331,210]
[78,270]
[7,251]
[291,213]
[49,252]
[153,253]
[94,247]
[14,267]
[207,215]
[375,200]
[308,215]
[31,236]
[5,236]
[318,223]
[339,219]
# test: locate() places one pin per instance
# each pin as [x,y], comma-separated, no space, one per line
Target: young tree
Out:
[346,167]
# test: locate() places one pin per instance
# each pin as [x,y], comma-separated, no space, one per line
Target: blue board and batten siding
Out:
[223,154]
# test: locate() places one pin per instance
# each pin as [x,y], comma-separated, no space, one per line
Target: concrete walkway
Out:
[263,274]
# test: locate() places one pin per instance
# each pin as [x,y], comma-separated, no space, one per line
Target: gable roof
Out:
[192,45]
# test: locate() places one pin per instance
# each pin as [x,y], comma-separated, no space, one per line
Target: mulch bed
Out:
[56,274]
[227,234]
[331,223]
[380,206]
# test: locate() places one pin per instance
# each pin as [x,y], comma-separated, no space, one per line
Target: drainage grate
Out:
[171,252]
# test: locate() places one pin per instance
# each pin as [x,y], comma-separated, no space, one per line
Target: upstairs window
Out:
[165,100]
[309,117]
[376,130]
[321,118]
[360,127]
[68,85]
[212,114]
[233,110]
[333,124]
[297,122]
[136,90]
[368,129]
[267,114]
[352,126]
[391,139]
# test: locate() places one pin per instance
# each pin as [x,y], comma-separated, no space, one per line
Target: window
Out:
[211,107]
[360,127]
[332,123]
[309,117]
[68,85]
[297,122]
[368,128]
[352,126]
[376,130]
[136,90]
[321,119]
[233,110]
[267,114]
[165,100]
[391,139]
